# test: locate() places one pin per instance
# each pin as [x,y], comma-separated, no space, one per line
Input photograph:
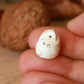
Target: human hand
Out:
[67,68]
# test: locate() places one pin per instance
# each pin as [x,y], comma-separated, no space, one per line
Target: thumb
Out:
[50,83]
[77,25]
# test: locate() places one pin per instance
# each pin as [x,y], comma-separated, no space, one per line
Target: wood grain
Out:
[9,72]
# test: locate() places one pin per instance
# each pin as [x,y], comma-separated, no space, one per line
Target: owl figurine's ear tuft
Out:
[48,45]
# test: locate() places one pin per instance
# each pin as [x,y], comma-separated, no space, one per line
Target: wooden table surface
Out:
[9,72]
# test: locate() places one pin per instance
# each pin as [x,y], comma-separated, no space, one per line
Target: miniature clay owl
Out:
[48,45]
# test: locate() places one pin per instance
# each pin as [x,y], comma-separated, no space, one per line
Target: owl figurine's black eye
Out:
[50,36]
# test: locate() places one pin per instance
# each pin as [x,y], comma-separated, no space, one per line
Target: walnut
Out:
[51,1]
[1,12]
[79,2]
[19,20]
[64,8]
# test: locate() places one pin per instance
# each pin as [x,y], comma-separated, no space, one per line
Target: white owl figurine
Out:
[48,45]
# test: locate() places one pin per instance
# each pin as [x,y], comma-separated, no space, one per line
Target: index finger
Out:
[71,45]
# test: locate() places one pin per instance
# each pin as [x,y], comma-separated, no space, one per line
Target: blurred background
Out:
[61,12]
[5,3]
[8,1]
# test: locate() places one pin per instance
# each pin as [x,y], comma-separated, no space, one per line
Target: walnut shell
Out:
[1,12]
[19,20]
[63,9]
[79,2]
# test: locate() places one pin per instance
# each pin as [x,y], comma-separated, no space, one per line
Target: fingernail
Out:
[48,45]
